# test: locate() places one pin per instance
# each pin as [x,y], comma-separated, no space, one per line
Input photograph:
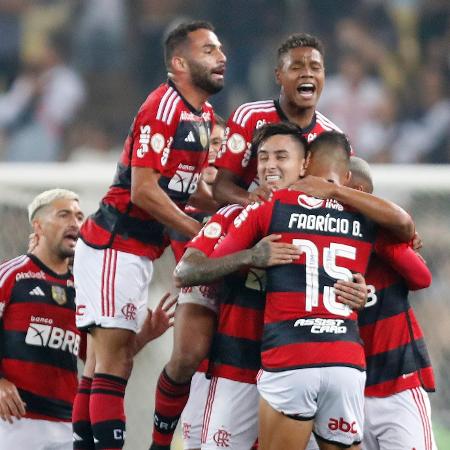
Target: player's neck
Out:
[299,116]
[195,96]
[52,261]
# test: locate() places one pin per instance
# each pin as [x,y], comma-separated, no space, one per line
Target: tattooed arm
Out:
[196,268]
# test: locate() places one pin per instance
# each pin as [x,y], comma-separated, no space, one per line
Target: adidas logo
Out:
[37,291]
[76,437]
[190,137]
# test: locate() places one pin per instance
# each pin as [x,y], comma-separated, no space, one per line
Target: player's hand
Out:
[160,320]
[260,194]
[314,186]
[352,293]
[268,252]
[11,405]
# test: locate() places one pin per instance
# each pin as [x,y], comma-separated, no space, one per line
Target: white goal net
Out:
[424,191]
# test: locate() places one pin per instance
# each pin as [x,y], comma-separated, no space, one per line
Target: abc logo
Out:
[343,425]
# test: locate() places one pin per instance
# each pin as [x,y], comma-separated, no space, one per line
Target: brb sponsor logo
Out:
[41,333]
[342,425]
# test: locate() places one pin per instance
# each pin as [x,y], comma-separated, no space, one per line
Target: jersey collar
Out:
[40,264]
[284,118]
[198,112]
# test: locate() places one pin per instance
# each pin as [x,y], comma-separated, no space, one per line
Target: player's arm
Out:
[384,212]
[196,268]
[202,199]
[227,189]
[11,405]
[148,195]
[406,262]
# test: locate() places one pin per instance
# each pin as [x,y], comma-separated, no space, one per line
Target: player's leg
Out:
[195,321]
[192,416]
[404,420]
[111,288]
[231,415]
[280,432]
[83,438]
[340,408]
[287,408]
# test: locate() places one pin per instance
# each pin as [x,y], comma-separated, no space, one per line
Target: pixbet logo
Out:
[343,425]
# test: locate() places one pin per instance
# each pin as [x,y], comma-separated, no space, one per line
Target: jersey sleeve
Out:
[247,228]
[405,261]
[236,151]
[151,135]
[209,236]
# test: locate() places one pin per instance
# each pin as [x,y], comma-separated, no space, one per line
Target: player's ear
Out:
[178,64]
[277,75]
[348,178]
[37,226]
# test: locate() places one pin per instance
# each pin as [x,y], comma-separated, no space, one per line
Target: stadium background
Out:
[387,63]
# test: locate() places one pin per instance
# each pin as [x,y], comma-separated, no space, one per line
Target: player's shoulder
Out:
[226,214]
[325,123]
[162,104]
[258,110]
[13,268]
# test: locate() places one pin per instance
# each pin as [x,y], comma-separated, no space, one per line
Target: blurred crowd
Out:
[73,72]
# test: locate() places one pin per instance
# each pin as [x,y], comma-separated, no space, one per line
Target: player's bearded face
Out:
[207,78]
[281,162]
[206,61]
[61,228]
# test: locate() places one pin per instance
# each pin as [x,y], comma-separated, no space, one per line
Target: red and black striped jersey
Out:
[236,349]
[236,153]
[304,325]
[396,354]
[171,137]
[39,339]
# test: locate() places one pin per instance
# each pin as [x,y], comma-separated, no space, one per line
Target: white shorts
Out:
[398,422]
[231,415]
[331,396]
[198,295]
[192,416]
[111,287]
[35,434]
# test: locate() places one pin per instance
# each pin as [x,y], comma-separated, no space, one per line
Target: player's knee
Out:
[183,366]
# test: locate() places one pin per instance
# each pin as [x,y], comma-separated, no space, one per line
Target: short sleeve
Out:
[247,228]
[235,153]
[150,137]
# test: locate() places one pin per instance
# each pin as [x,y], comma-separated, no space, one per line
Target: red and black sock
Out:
[106,409]
[81,423]
[171,398]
